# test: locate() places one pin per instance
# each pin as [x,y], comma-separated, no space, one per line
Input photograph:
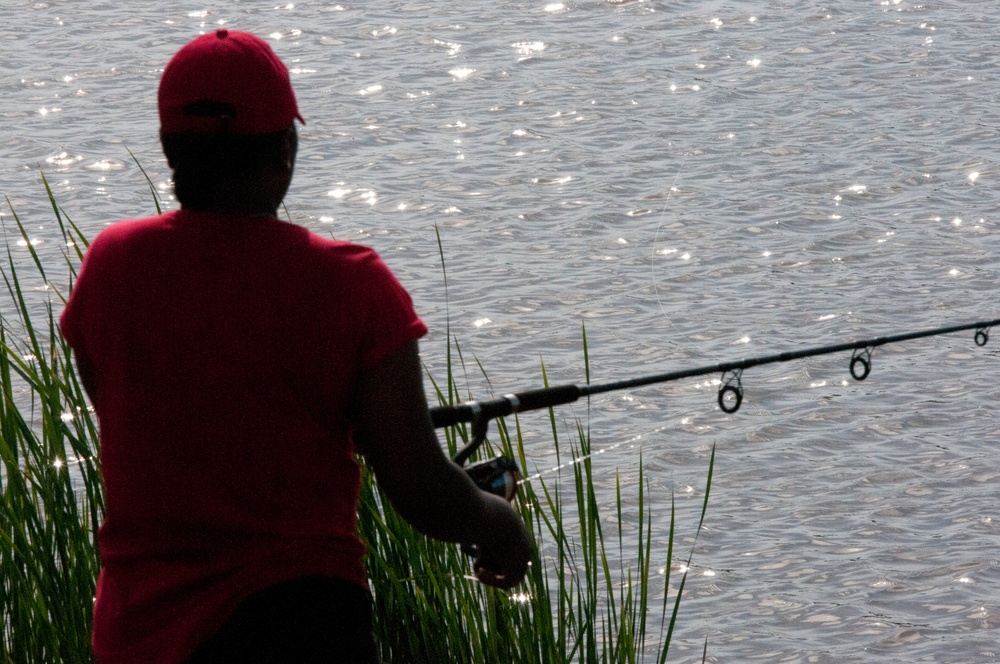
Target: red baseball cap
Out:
[226,81]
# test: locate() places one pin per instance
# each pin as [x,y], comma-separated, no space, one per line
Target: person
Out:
[237,364]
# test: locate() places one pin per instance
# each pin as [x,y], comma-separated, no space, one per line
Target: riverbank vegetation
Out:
[597,591]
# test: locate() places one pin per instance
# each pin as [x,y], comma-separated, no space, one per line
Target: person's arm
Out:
[394,432]
[85,369]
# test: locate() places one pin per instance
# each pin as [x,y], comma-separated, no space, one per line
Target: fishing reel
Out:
[498,476]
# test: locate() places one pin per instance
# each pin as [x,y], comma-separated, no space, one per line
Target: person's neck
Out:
[258,196]
[241,204]
[240,210]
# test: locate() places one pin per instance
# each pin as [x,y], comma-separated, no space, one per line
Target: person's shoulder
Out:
[127,232]
[122,231]
[338,250]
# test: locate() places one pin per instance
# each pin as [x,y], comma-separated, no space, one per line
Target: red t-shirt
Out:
[225,350]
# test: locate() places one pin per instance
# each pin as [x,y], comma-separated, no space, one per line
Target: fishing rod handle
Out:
[446,416]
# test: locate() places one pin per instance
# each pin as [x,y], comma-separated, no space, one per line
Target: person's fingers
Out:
[502,571]
[491,578]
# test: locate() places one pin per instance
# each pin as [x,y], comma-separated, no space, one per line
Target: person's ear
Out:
[288,149]
[168,150]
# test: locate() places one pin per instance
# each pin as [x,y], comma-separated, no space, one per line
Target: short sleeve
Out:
[71,321]
[391,320]
[68,323]
[97,285]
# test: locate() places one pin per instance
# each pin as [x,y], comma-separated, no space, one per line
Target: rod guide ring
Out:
[982,336]
[862,357]
[734,386]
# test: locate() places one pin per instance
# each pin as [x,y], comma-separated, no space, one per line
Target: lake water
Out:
[695,182]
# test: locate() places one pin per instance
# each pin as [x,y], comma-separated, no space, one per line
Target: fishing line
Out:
[630,442]
[656,236]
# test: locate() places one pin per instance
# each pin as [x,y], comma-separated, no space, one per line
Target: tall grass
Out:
[51,484]
[591,595]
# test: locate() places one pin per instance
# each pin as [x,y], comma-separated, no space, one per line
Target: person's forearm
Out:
[454,509]
[395,434]
[451,508]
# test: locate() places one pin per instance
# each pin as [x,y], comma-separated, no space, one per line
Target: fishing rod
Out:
[730,396]
[500,475]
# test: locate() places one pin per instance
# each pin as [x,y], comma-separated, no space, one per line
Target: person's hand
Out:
[503,559]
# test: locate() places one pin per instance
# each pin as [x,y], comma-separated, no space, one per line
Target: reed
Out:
[591,595]
[51,484]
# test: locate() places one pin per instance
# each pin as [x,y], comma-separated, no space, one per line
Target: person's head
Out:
[227,123]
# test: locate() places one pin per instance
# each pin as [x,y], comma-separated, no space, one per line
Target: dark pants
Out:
[312,620]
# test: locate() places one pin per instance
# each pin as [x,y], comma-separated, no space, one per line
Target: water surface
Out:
[693,181]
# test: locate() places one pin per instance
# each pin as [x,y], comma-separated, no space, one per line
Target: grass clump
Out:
[588,596]
[52,498]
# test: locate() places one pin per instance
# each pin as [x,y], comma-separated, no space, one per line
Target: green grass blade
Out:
[152,187]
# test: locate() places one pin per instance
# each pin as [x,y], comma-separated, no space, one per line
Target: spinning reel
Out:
[499,475]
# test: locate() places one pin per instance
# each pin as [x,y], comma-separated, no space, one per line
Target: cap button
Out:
[222,33]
